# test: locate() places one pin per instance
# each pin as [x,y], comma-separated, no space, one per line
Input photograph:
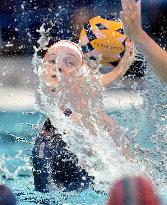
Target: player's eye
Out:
[52,61]
[69,62]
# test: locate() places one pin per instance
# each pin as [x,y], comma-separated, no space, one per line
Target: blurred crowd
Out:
[20,19]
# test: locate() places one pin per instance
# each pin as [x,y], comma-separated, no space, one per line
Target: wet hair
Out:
[41,53]
[6,196]
[133,191]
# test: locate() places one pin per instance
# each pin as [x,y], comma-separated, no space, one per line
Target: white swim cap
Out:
[71,45]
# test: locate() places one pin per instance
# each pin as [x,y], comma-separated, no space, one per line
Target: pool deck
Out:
[18,99]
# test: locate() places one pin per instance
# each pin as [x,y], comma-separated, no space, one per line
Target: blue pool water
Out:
[16,133]
[17,130]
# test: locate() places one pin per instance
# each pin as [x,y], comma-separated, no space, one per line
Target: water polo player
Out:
[68,89]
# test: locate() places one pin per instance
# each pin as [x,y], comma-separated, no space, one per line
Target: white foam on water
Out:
[94,145]
[9,170]
[150,149]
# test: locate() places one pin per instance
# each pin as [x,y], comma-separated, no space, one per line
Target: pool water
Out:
[17,131]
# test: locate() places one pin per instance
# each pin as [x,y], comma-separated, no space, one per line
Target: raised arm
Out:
[119,71]
[154,54]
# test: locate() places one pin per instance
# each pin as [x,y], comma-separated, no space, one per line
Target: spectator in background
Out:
[133,191]
[69,22]
[6,196]
[79,18]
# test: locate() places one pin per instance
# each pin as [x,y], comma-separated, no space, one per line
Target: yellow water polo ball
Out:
[103,37]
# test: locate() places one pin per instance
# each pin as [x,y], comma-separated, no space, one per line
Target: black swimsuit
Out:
[52,161]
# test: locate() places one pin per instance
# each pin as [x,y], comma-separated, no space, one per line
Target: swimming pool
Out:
[16,133]
[17,130]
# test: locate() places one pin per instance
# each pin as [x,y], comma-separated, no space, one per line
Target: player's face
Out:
[61,61]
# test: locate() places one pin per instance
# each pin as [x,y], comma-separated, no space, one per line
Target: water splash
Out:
[11,167]
[103,159]
[149,143]
[94,145]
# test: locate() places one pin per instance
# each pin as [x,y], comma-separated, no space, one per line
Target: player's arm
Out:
[154,54]
[119,71]
[116,133]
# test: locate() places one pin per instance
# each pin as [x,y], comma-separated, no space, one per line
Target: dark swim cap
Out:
[6,196]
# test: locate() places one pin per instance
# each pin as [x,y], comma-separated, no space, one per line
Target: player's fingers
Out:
[124,18]
[126,21]
[129,49]
[134,5]
[127,45]
[127,6]
[138,4]
[132,50]
[123,4]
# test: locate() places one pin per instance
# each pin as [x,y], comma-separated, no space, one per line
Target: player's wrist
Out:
[121,70]
[139,37]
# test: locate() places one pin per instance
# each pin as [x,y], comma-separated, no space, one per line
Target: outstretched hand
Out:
[131,18]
